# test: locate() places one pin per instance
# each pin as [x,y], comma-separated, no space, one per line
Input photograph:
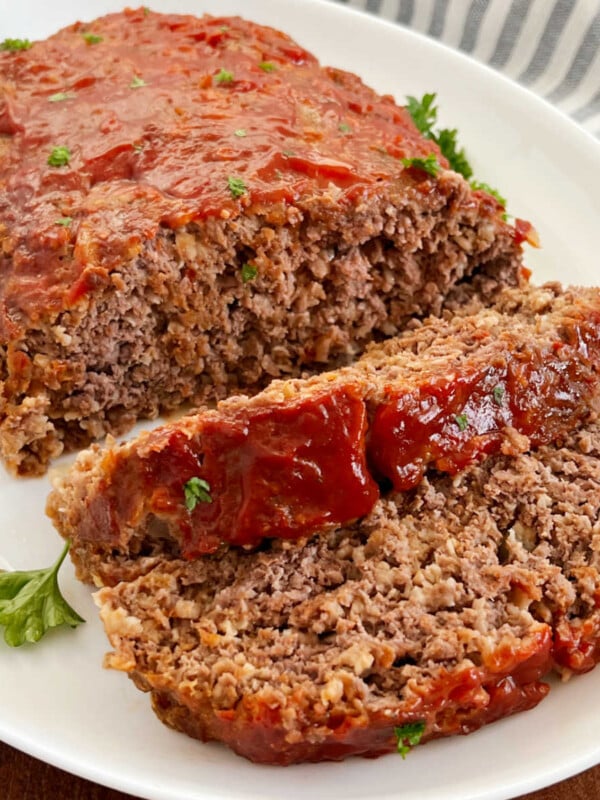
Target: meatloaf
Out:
[442,609]
[192,206]
[308,455]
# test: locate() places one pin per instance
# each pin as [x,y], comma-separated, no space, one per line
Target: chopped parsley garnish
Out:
[498,394]
[237,187]
[138,147]
[344,127]
[146,10]
[224,76]
[288,153]
[485,187]
[137,82]
[249,272]
[240,132]
[462,422]
[92,38]
[430,165]
[64,221]
[267,66]
[15,44]
[31,603]
[408,736]
[196,490]
[59,157]
[60,96]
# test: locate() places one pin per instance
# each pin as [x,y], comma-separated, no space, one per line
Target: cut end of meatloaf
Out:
[217,244]
[445,606]
[308,455]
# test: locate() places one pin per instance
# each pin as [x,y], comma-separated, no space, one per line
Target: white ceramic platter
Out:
[56,701]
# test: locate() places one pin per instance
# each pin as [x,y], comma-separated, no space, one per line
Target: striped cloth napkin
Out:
[550,46]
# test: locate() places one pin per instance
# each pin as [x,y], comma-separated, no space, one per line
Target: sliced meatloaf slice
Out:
[192,206]
[443,609]
[307,455]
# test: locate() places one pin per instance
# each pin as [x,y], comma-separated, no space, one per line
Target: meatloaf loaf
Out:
[307,455]
[443,609]
[191,206]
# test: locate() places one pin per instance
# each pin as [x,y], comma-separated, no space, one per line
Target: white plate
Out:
[57,703]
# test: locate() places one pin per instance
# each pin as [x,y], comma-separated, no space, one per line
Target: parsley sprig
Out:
[424,114]
[15,44]
[237,187]
[485,187]
[430,165]
[409,736]
[92,38]
[462,421]
[224,76]
[31,603]
[60,97]
[249,272]
[59,156]
[195,491]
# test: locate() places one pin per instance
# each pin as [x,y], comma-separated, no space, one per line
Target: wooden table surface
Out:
[25,778]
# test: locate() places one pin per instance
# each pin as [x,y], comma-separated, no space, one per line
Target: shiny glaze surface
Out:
[451,423]
[159,113]
[283,471]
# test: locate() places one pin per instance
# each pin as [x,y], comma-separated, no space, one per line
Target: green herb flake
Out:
[64,221]
[479,186]
[137,82]
[237,187]
[195,491]
[59,157]
[430,165]
[288,153]
[408,736]
[462,422]
[498,394]
[344,127]
[92,38]
[223,28]
[224,76]
[59,97]
[241,132]
[267,66]
[31,603]
[138,147]
[15,44]
[146,10]
[249,272]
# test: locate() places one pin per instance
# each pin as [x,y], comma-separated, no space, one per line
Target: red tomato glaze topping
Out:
[451,422]
[142,119]
[282,471]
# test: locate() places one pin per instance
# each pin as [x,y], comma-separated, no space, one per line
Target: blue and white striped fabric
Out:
[550,46]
